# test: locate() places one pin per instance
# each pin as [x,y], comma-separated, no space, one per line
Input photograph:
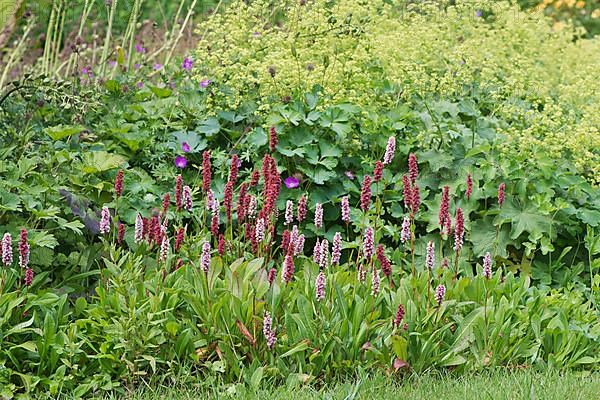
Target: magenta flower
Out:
[205,258]
[365,194]
[386,266]
[487,265]
[105,220]
[413,167]
[399,315]
[345,205]
[204,83]
[459,230]
[405,233]
[180,162]
[268,330]
[139,85]
[259,230]
[376,282]
[187,198]
[291,182]
[287,273]
[430,256]
[390,150]
[336,251]
[7,255]
[138,234]
[187,64]
[318,216]
[301,208]
[271,276]
[324,254]
[157,66]
[469,190]
[185,147]
[299,245]
[139,48]
[368,243]
[320,283]
[440,292]
[501,190]
[289,212]
[317,252]
[23,249]
[28,277]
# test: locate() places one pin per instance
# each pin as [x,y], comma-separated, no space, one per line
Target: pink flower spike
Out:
[7,252]
[320,283]
[318,216]
[345,206]
[105,220]
[389,150]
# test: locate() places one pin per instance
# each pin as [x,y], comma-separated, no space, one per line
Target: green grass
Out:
[495,385]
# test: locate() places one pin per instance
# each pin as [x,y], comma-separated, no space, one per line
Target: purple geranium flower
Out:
[139,48]
[157,66]
[185,147]
[291,182]
[136,66]
[139,84]
[187,64]
[204,83]
[180,162]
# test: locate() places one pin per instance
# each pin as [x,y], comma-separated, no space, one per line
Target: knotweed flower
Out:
[287,273]
[444,207]
[179,192]
[336,251]
[185,147]
[187,64]
[406,191]
[234,168]
[28,277]
[487,266]
[445,263]
[365,194]
[241,203]
[285,241]
[7,255]
[299,245]
[430,256]
[252,206]
[166,202]
[378,171]
[345,206]
[416,199]
[105,220]
[501,190]
[301,208]
[390,150]
[179,239]
[440,292]
[368,243]
[23,249]
[214,222]
[120,233]
[268,330]
[362,274]
[119,183]
[273,141]
[294,235]
[317,252]
[187,198]
[291,182]
[254,178]
[320,283]
[459,230]
[180,162]
[469,190]
[376,282]
[259,230]
[221,245]
[289,212]
[271,276]
[413,168]
[386,266]
[205,258]
[323,260]
[405,233]
[206,173]
[318,216]
[164,247]
[399,315]
[228,199]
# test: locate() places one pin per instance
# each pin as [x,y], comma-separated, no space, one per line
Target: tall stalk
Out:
[111,14]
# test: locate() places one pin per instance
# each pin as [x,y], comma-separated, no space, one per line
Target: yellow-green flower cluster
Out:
[545,84]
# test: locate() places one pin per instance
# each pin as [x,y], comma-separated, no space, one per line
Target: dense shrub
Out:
[539,82]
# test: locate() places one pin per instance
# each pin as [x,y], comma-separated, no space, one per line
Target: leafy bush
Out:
[503,58]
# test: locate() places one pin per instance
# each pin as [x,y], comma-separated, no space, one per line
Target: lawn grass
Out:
[494,385]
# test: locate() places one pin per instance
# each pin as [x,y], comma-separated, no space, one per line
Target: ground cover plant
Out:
[194,221]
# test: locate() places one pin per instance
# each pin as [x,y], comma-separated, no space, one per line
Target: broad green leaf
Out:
[98,161]
[61,131]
